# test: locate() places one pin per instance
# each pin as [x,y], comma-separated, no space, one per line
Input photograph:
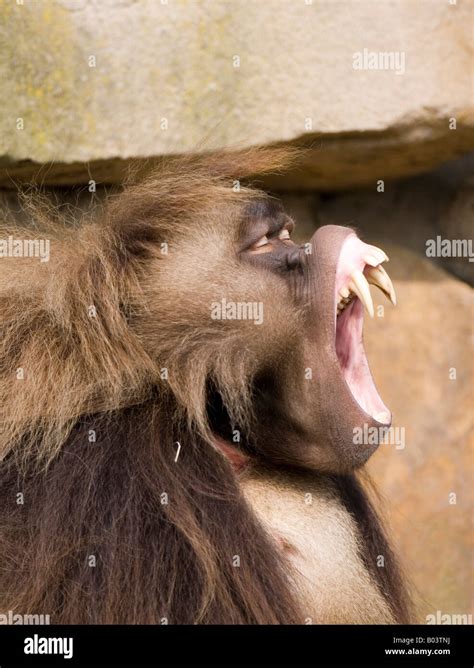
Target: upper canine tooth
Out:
[370,259]
[378,253]
[379,277]
[361,288]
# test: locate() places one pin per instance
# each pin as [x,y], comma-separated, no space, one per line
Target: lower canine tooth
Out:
[361,288]
[379,277]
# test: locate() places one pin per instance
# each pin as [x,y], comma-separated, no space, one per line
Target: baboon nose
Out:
[293,259]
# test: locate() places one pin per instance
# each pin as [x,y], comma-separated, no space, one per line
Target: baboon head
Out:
[259,339]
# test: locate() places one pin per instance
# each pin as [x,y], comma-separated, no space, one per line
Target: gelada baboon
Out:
[179,386]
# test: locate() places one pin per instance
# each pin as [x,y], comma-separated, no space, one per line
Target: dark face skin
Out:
[305,421]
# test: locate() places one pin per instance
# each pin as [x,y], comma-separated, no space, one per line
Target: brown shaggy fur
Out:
[117,352]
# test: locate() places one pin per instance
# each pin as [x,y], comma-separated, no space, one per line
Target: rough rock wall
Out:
[378,89]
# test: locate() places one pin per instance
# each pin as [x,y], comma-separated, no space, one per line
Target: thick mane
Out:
[67,346]
[118,532]
[98,522]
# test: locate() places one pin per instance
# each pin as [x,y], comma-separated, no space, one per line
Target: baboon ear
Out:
[131,219]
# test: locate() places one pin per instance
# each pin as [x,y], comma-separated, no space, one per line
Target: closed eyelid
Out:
[283,222]
[264,219]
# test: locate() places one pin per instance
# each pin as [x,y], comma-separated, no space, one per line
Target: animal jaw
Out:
[358,265]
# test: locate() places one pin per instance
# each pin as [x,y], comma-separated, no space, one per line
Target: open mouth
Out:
[358,265]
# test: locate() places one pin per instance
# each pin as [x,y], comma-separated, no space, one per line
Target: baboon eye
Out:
[263,241]
[284,235]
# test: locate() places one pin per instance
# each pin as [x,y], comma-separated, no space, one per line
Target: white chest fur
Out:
[319,538]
